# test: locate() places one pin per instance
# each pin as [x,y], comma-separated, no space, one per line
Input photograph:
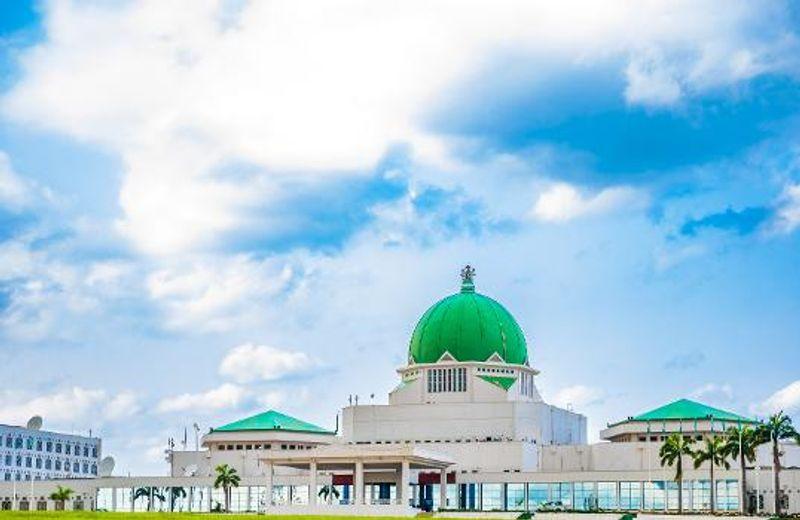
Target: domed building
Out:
[465,428]
[468,381]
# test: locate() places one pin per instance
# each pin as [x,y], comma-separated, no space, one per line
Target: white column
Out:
[312,483]
[402,486]
[443,489]
[269,484]
[114,499]
[358,482]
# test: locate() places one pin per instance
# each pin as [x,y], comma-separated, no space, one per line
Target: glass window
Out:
[727,495]
[19,460]
[9,441]
[94,451]
[58,465]
[607,495]
[654,495]
[18,443]
[49,446]
[8,460]
[630,495]
[701,494]
[85,451]
[515,497]
[585,499]
[562,492]
[492,497]
[537,494]
[39,445]
[38,463]
[29,443]
[68,449]
[76,467]
[48,464]
[58,447]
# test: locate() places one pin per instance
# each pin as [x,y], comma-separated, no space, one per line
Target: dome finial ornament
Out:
[467,279]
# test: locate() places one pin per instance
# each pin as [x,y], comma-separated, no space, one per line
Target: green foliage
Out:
[712,451]
[749,439]
[672,452]
[61,494]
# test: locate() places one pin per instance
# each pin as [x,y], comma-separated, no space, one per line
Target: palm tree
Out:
[777,428]
[227,478]
[328,493]
[741,443]
[671,454]
[713,451]
[175,493]
[150,493]
[61,495]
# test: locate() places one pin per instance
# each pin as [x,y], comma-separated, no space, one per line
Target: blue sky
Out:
[211,209]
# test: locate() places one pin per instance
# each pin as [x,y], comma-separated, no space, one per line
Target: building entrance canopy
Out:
[360,461]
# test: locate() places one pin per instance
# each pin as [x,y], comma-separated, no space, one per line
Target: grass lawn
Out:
[89,515]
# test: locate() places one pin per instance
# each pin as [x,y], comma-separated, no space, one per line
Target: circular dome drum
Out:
[470,327]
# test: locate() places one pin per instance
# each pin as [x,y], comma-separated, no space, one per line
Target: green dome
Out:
[470,326]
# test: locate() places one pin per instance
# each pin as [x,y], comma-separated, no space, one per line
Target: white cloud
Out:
[577,396]
[125,404]
[223,397]
[651,83]
[218,293]
[181,92]
[713,392]
[70,406]
[13,191]
[787,215]
[786,399]
[562,202]
[249,362]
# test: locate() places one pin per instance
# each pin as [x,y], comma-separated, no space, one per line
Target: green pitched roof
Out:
[470,327]
[687,410]
[272,420]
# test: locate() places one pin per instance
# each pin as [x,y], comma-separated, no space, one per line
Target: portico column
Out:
[402,487]
[443,488]
[269,484]
[358,482]
[312,483]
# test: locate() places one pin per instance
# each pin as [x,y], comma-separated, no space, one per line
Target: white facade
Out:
[32,454]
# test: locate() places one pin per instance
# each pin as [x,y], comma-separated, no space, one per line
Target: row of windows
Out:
[50,464]
[24,475]
[526,384]
[447,380]
[657,495]
[656,438]
[445,441]
[239,447]
[30,443]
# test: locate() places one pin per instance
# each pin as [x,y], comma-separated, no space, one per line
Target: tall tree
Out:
[741,444]
[777,428]
[227,478]
[713,452]
[671,454]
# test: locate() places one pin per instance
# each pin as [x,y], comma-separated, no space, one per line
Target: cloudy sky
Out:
[213,207]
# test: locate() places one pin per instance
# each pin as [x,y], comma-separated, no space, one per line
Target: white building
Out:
[465,429]
[28,453]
